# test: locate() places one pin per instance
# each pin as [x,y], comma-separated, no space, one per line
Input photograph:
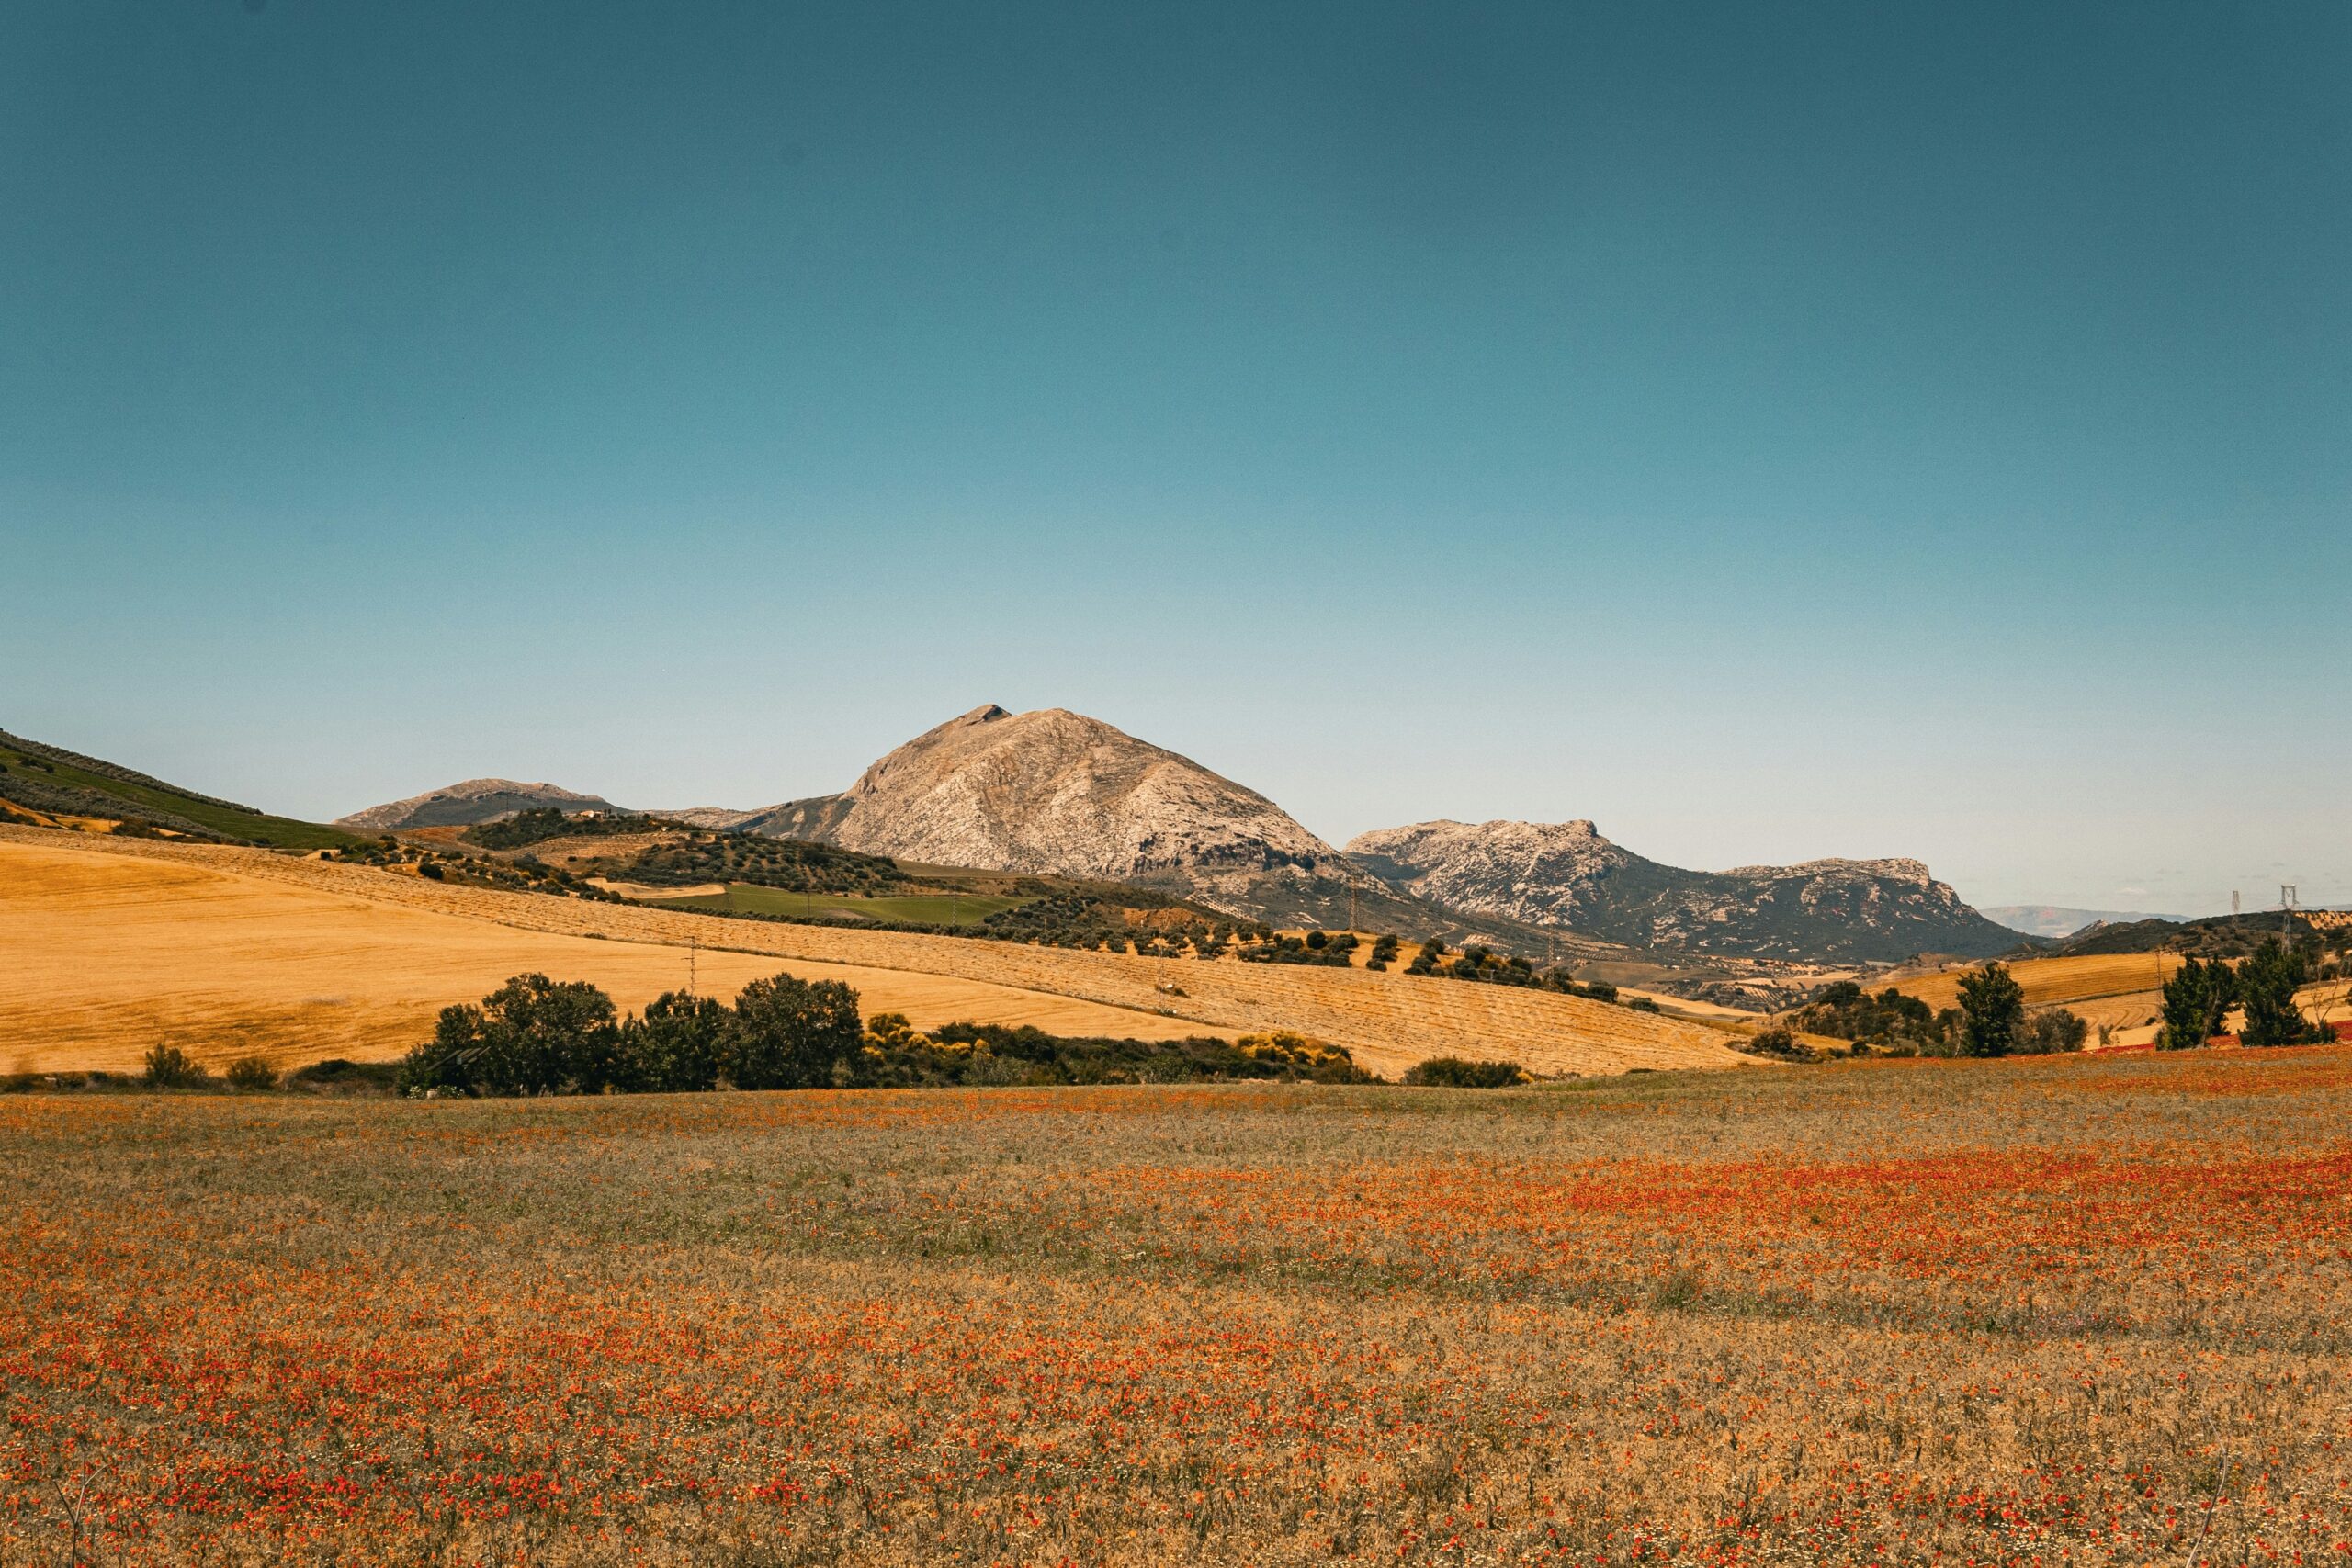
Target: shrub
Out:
[168,1067]
[338,1076]
[1456,1072]
[2052,1031]
[252,1075]
[1777,1042]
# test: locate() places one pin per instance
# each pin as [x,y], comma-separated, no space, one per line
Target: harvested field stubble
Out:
[2068,1310]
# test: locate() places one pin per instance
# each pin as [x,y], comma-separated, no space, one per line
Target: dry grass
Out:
[1389,1020]
[2082,1311]
[2049,982]
[106,954]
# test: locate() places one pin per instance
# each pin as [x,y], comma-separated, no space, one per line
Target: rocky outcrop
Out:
[1052,791]
[475,800]
[1565,875]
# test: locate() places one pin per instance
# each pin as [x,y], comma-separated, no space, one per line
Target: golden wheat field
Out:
[2074,1311]
[2049,982]
[118,940]
[106,956]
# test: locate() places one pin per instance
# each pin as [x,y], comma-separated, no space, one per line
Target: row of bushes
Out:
[1992,1020]
[166,1067]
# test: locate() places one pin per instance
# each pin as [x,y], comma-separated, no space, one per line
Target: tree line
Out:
[534,1036]
[2200,995]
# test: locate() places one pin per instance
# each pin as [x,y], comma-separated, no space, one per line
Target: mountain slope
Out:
[464,805]
[1565,875]
[50,781]
[1052,791]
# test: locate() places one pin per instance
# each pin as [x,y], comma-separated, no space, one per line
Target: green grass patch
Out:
[927,909]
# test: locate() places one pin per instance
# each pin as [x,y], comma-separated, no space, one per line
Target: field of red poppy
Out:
[2061,1311]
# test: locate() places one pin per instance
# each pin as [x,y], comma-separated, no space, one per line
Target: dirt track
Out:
[103,958]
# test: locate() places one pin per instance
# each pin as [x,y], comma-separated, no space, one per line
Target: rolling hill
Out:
[118,940]
[44,785]
[469,803]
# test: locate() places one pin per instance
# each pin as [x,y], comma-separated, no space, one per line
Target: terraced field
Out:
[113,940]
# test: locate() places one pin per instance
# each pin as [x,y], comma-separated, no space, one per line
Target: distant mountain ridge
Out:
[1051,792]
[469,803]
[2054,921]
[1565,875]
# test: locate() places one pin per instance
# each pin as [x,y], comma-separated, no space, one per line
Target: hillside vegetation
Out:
[54,782]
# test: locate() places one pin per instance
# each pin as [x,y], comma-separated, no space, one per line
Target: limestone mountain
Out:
[1565,875]
[475,800]
[1049,791]
[1052,792]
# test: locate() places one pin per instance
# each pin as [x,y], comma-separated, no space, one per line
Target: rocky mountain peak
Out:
[1567,876]
[1052,791]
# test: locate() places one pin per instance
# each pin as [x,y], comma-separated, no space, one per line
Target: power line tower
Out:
[693,955]
[2287,914]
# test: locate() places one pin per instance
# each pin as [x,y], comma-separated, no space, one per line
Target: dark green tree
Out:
[790,1033]
[1992,1010]
[2197,1000]
[678,1047]
[532,1035]
[2267,988]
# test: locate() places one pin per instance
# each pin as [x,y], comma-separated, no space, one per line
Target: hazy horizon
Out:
[1772,434]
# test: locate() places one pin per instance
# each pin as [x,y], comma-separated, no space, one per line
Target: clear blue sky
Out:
[1772,431]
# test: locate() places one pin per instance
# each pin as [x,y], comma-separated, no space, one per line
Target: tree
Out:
[2195,1003]
[2267,986]
[678,1047]
[1992,1010]
[790,1033]
[532,1035]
